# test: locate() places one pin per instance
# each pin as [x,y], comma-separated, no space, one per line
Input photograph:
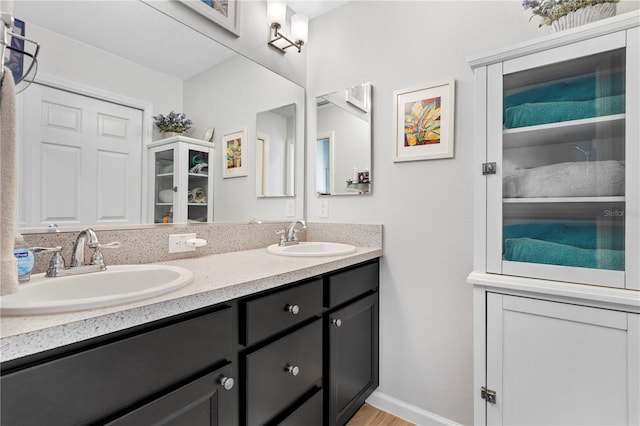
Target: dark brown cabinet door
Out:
[353,357]
[207,401]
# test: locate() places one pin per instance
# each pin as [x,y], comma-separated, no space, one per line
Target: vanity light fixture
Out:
[277,12]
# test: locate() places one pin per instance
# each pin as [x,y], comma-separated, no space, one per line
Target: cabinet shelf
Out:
[609,126]
[199,175]
[558,200]
[164,175]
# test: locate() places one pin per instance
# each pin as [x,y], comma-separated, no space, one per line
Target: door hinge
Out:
[488,394]
[488,168]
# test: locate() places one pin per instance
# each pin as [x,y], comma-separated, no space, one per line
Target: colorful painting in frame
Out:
[225,13]
[234,154]
[424,122]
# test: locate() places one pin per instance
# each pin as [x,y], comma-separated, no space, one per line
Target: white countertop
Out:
[217,278]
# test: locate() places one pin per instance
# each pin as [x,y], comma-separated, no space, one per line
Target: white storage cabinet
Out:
[557,229]
[181,180]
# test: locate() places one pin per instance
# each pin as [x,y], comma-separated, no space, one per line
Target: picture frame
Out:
[225,13]
[358,96]
[234,153]
[424,122]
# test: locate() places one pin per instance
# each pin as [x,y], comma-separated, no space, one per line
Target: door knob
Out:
[292,369]
[226,382]
[294,309]
[336,321]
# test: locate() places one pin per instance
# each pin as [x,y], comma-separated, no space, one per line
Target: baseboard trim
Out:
[406,411]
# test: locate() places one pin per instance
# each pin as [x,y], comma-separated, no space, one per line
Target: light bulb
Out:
[277,12]
[299,28]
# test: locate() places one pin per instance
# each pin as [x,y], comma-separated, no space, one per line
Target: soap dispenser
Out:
[25,259]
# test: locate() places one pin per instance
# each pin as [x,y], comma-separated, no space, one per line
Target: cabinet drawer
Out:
[352,283]
[270,314]
[121,372]
[270,387]
[308,414]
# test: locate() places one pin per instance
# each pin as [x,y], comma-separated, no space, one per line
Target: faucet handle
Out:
[97,258]
[56,264]
[283,238]
[115,244]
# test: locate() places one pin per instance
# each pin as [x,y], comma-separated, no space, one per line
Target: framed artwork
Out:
[424,122]
[234,154]
[358,96]
[225,13]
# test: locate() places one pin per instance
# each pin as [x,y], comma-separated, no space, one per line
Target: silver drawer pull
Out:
[336,321]
[292,369]
[294,309]
[226,382]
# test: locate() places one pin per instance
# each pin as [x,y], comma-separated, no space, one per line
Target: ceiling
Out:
[315,8]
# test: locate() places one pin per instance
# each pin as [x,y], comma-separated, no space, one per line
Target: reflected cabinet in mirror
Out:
[343,142]
[85,127]
[276,152]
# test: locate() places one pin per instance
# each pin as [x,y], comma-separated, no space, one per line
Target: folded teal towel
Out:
[552,112]
[586,236]
[537,251]
[579,89]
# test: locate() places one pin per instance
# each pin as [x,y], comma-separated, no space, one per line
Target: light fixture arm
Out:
[277,36]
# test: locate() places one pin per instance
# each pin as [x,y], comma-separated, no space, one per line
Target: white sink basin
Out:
[309,249]
[118,284]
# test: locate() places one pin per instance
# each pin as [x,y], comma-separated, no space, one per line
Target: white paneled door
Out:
[80,160]
[553,363]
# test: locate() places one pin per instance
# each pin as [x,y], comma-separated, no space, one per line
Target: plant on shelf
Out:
[174,122]
[562,14]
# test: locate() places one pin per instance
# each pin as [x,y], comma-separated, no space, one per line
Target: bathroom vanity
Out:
[297,345]
[557,229]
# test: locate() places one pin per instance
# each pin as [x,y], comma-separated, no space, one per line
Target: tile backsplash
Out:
[148,245]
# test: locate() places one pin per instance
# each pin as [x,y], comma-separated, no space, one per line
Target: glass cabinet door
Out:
[197,185]
[165,186]
[563,170]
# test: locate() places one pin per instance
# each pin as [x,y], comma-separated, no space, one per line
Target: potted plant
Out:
[172,124]
[564,14]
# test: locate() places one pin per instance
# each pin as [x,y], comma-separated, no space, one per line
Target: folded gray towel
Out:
[573,179]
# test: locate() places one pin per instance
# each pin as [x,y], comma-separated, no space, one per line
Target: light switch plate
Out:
[178,243]
[323,209]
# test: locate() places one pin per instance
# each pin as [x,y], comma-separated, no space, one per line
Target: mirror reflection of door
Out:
[275,152]
[324,178]
[343,160]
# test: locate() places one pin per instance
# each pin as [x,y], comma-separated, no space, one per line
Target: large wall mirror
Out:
[343,142]
[276,152]
[138,62]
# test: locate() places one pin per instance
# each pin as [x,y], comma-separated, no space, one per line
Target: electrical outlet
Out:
[323,210]
[291,208]
[178,243]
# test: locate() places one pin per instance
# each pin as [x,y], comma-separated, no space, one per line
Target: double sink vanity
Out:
[252,337]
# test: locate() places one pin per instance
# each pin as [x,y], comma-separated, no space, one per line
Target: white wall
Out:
[426,207]
[252,42]
[69,60]
[253,89]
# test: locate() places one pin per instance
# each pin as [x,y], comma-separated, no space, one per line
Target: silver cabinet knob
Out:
[292,369]
[336,321]
[294,309]
[226,382]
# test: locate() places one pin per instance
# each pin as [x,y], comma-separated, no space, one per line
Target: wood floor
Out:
[370,416]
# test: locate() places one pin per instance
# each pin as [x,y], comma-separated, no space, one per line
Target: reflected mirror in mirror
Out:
[276,152]
[115,53]
[343,142]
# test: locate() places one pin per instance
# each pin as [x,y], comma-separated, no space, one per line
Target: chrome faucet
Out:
[86,237]
[291,236]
